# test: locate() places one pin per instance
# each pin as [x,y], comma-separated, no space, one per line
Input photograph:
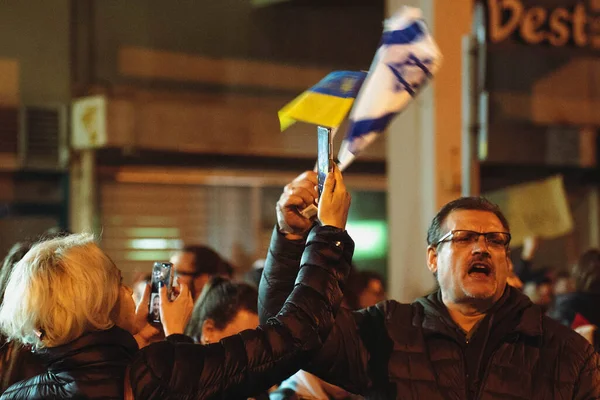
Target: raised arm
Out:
[252,361]
[356,336]
[287,244]
[523,265]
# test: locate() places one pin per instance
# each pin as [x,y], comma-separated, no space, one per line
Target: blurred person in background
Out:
[538,283]
[476,337]
[540,287]
[65,299]
[251,361]
[364,289]
[17,362]
[563,284]
[523,265]
[580,309]
[226,270]
[252,276]
[196,264]
[224,308]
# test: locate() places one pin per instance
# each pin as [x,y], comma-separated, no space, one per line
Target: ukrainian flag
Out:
[325,104]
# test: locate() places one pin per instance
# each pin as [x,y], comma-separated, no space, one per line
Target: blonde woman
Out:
[66,300]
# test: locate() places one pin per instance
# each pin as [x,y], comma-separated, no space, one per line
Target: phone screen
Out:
[161,272]
[324,159]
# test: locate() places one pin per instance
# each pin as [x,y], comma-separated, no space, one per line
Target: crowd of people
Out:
[307,324]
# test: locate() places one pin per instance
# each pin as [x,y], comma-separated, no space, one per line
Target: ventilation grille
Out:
[44,137]
[9,130]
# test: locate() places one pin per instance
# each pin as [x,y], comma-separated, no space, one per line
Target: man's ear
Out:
[432,259]
[208,329]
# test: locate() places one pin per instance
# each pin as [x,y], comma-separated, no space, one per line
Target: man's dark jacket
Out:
[91,367]
[415,351]
[250,362]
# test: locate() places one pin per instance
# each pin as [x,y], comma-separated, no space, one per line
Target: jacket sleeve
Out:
[588,385]
[356,338]
[253,360]
[279,274]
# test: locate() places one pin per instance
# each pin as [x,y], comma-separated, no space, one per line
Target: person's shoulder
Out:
[37,387]
[556,335]
[156,355]
[390,305]
[391,310]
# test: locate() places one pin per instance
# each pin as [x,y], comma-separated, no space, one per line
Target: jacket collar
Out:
[513,304]
[530,323]
[111,345]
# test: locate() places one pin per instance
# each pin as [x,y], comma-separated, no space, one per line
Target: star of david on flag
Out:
[407,58]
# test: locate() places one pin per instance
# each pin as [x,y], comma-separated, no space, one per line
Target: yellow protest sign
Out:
[537,208]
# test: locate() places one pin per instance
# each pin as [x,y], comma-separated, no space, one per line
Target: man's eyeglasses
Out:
[495,240]
[188,274]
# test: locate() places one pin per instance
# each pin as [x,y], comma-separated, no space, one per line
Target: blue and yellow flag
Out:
[325,104]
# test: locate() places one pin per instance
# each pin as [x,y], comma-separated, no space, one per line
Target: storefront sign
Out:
[576,25]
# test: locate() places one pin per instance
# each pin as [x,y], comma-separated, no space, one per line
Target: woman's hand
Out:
[145,331]
[335,200]
[174,315]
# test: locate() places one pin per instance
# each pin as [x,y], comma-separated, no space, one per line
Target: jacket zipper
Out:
[464,357]
[485,375]
[487,366]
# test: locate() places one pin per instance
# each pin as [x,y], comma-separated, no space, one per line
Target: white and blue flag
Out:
[407,58]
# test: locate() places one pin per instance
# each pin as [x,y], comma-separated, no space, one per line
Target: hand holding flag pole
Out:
[326,104]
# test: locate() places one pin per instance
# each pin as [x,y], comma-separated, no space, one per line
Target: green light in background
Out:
[152,255]
[147,232]
[370,238]
[155,244]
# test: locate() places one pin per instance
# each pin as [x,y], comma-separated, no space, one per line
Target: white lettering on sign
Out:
[559,26]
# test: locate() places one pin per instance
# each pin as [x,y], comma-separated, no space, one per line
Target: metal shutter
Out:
[142,223]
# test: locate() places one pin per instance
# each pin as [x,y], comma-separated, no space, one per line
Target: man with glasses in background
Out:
[195,265]
[474,338]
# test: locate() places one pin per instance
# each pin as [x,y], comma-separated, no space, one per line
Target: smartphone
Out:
[161,272]
[324,155]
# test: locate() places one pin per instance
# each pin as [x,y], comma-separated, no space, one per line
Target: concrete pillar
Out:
[424,151]
[83,202]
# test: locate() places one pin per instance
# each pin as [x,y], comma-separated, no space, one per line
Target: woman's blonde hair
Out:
[61,289]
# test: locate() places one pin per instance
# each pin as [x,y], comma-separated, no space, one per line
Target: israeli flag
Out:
[407,58]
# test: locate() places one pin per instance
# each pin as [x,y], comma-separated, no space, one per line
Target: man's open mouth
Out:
[479,268]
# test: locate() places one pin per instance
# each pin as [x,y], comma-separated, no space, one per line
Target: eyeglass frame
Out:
[449,236]
[189,274]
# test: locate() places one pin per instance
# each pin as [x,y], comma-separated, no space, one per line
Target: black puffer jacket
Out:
[583,306]
[91,367]
[252,361]
[415,351]
[17,363]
